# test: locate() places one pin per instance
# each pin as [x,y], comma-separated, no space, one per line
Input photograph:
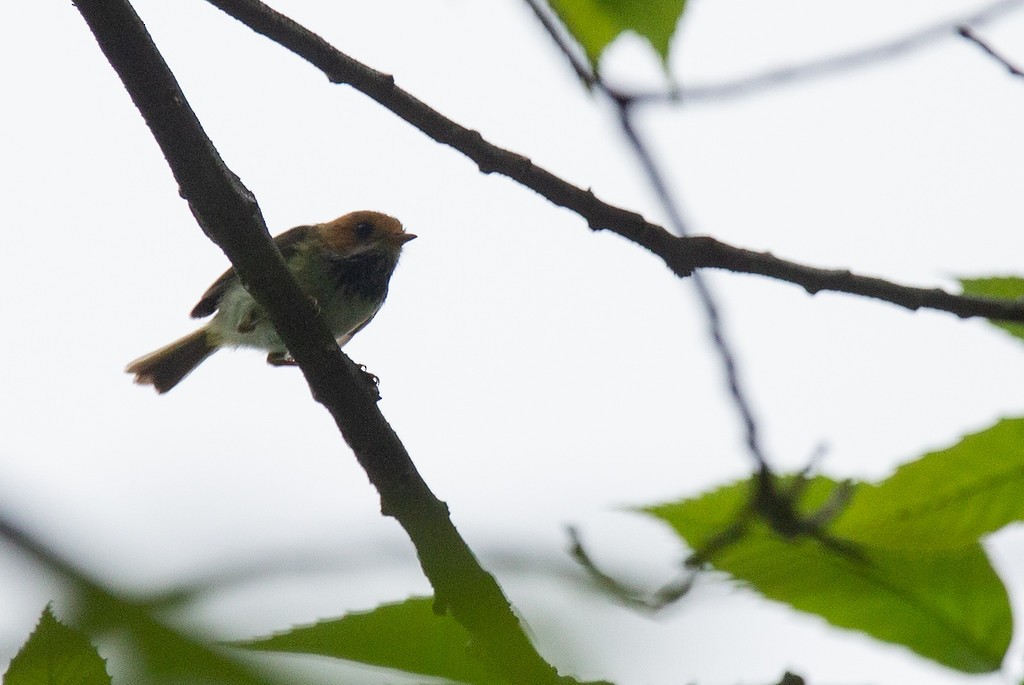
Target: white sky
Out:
[539,374]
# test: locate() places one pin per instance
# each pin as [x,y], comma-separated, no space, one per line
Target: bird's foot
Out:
[280,359]
[372,381]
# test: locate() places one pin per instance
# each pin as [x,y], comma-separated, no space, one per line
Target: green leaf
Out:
[596,23]
[917,576]
[407,636]
[1001,287]
[56,655]
[946,499]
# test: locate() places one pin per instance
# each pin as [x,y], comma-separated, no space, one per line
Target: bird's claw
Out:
[371,380]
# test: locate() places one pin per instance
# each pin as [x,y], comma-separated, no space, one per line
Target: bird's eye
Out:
[364,229]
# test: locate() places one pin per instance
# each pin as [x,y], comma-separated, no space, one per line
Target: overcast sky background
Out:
[539,374]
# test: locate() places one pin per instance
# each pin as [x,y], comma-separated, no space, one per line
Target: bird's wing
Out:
[211,298]
[287,243]
[342,340]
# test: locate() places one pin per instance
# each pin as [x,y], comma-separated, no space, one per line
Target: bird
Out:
[344,266]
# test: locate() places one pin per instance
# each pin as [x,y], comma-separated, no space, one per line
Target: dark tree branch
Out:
[682,255]
[229,215]
[705,251]
[967,33]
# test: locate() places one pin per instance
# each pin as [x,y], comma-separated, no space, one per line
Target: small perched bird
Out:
[343,265]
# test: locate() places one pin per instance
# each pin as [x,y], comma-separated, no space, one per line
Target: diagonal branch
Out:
[835,64]
[712,314]
[704,251]
[229,215]
[970,35]
[681,254]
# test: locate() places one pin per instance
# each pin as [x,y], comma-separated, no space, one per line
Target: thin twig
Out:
[833,65]
[668,202]
[583,71]
[714,318]
[682,255]
[670,593]
[656,179]
[967,33]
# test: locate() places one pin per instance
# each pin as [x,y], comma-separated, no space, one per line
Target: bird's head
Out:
[360,232]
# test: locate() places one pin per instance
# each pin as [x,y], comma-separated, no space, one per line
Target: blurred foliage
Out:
[155,653]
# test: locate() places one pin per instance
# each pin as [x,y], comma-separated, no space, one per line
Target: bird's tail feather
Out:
[164,368]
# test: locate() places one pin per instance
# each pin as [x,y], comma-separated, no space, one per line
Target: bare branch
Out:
[716,326]
[682,255]
[835,64]
[708,252]
[967,33]
[583,71]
